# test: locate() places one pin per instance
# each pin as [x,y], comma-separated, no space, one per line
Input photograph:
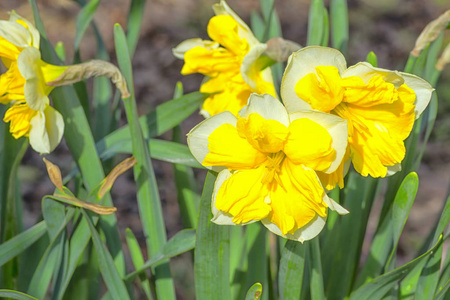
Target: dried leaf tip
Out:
[431,32]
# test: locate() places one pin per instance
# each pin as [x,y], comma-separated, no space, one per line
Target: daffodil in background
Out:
[267,161]
[232,62]
[24,85]
[380,106]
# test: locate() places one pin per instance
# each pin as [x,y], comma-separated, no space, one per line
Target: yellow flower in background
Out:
[267,161]
[379,105]
[232,62]
[25,85]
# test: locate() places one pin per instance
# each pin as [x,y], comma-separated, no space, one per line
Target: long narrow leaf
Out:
[115,284]
[147,193]
[339,24]
[211,266]
[15,295]
[316,23]
[292,266]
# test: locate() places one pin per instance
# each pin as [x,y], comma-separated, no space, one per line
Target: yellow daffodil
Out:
[25,83]
[267,161]
[379,105]
[232,62]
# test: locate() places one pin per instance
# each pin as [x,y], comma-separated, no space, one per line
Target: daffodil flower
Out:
[232,62]
[267,161]
[380,106]
[25,85]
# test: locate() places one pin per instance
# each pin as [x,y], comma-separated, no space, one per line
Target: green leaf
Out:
[378,287]
[431,60]
[372,59]
[386,239]
[110,274]
[163,118]
[60,51]
[187,189]
[148,198]
[84,18]
[326,28]
[315,265]
[316,26]
[181,242]
[257,25]
[15,295]
[254,292]
[339,24]
[138,260]
[347,236]
[291,270]
[211,264]
[19,243]
[135,16]
[159,149]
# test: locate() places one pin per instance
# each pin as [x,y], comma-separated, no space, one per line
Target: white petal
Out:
[267,107]
[245,32]
[197,138]
[333,205]
[47,129]
[249,59]
[220,217]
[33,31]
[391,170]
[422,89]
[336,127]
[307,232]
[367,71]
[28,63]
[15,33]
[186,45]
[300,64]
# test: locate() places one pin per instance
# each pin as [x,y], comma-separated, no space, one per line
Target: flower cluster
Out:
[276,162]
[232,62]
[24,86]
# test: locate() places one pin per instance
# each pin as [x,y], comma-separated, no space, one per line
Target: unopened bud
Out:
[444,59]
[431,32]
[280,49]
[93,68]
[54,173]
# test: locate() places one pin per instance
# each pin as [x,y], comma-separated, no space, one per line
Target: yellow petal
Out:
[11,84]
[297,200]
[322,91]
[309,143]
[267,136]
[376,91]
[380,144]
[329,181]
[233,96]
[224,29]
[302,63]
[187,45]
[228,149]
[210,62]
[20,115]
[242,196]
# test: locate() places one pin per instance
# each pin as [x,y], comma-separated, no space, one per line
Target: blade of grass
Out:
[147,193]
[212,251]
[19,243]
[386,238]
[135,16]
[347,235]
[339,24]
[115,284]
[181,242]
[378,287]
[291,270]
[315,265]
[84,18]
[316,23]
[9,294]
[81,144]
[138,260]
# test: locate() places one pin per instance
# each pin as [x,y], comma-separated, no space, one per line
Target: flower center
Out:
[273,168]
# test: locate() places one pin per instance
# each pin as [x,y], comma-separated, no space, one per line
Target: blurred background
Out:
[387,27]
